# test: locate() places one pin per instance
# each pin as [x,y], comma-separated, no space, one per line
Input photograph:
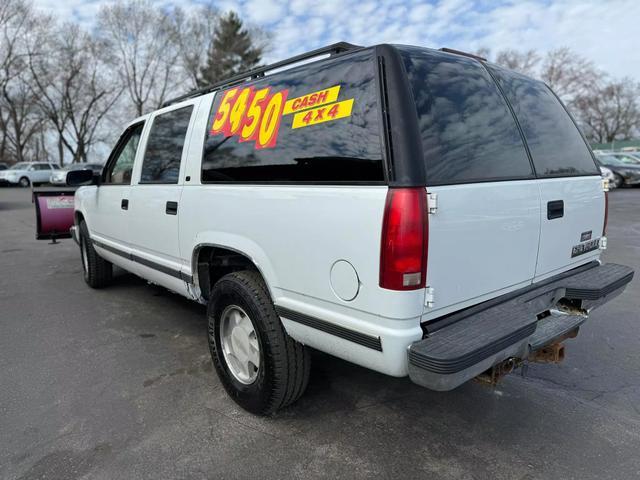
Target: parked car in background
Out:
[27,173]
[3,166]
[626,156]
[626,169]
[608,175]
[59,177]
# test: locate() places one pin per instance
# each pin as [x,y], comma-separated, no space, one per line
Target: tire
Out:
[618,181]
[24,182]
[97,271]
[283,371]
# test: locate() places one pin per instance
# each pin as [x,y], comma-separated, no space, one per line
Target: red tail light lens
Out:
[405,236]
[606,213]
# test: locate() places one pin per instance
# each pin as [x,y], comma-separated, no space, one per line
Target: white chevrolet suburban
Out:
[418,212]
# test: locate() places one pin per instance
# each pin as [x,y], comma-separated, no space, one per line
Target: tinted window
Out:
[162,156]
[556,146]
[41,166]
[120,166]
[316,123]
[468,133]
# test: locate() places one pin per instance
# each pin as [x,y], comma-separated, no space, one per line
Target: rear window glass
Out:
[556,146]
[163,154]
[468,132]
[315,123]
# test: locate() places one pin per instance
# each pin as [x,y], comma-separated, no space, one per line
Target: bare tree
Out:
[610,111]
[569,75]
[144,41]
[524,62]
[24,120]
[8,11]
[606,109]
[21,119]
[73,89]
[196,31]
[61,87]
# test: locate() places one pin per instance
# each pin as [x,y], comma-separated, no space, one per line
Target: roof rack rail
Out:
[464,54]
[258,72]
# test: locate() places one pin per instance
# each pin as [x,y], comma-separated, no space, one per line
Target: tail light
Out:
[405,237]
[606,213]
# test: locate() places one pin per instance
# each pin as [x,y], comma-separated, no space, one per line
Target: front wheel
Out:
[97,271]
[259,365]
[618,181]
[24,182]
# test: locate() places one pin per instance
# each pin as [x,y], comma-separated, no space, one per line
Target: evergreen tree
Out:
[232,51]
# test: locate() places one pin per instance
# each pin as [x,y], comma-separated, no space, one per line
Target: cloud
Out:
[264,12]
[604,32]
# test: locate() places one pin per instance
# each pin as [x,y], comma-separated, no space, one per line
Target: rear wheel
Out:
[97,271]
[259,365]
[24,182]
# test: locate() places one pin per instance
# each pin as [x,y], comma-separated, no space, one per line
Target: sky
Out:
[604,31]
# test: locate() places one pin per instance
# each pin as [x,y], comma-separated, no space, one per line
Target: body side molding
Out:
[360,338]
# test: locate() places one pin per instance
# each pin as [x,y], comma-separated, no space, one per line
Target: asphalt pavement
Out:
[118,383]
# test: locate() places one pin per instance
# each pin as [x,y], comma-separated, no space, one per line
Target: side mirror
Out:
[76,178]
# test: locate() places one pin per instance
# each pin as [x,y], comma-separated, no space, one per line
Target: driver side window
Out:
[121,165]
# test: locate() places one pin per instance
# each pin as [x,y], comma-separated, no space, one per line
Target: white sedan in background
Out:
[27,173]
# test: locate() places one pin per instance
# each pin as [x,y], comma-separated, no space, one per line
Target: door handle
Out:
[555,209]
[124,204]
[172,208]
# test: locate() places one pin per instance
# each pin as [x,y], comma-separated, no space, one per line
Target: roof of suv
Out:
[329,50]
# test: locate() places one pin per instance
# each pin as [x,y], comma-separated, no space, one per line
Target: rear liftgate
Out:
[493,338]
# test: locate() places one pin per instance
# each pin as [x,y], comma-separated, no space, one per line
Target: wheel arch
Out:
[210,261]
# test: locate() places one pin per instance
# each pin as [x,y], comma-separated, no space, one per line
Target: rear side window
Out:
[161,163]
[468,132]
[314,123]
[556,146]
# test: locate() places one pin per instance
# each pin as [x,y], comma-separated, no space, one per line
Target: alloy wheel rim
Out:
[240,346]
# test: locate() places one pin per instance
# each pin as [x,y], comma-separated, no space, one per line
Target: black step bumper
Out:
[461,346]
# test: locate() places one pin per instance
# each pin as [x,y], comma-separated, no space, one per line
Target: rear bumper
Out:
[462,345]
